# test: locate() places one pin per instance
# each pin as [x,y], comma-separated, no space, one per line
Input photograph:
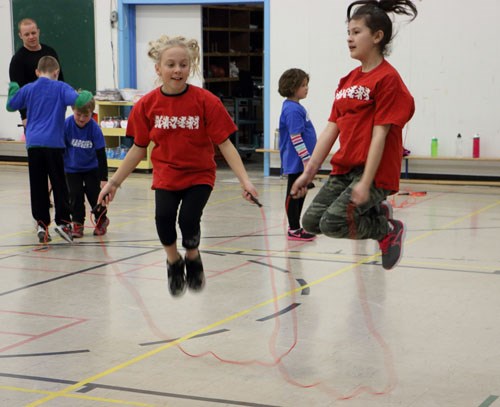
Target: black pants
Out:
[81,185]
[192,201]
[294,208]
[43,164]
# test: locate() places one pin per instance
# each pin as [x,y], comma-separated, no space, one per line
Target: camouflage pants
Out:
[332,213]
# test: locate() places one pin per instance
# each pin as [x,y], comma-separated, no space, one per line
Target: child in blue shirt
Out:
[86,167]
[296,143]
[46,100]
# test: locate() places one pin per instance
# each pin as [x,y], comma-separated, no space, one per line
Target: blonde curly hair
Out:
[157,47]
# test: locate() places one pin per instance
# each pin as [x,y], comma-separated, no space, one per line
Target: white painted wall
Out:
[154,21]
[448,57]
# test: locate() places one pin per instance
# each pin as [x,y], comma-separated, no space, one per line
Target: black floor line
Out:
[50,280]
[196,336]
[92,386]
[25,355]
[280,312]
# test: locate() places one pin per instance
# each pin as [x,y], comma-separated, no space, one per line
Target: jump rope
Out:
[277,361]
[278,358]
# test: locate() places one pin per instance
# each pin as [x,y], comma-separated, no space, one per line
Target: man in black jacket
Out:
[24,62]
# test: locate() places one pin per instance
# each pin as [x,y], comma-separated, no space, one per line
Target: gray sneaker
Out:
[65,232]
[43,235]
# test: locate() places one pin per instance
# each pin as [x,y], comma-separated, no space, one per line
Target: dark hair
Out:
[290,81]
[376,18]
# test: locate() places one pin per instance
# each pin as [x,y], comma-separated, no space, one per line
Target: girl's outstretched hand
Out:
[107,194]
[299,187]
[250,193]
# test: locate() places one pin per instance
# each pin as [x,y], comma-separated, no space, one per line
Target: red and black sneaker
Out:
[386,209]
[392,244]
[77,230]
[101,227]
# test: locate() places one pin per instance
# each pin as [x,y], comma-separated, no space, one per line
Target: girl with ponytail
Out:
[370,108]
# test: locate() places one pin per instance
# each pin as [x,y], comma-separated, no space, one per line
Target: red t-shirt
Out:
[184,129]
[363,100]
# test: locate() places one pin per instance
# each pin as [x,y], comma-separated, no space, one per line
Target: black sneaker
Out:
[176,277]
[195,276]
[65,232]
[392,245]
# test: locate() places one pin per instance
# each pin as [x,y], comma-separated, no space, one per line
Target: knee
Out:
[311,224]
[190,230]
[333,226]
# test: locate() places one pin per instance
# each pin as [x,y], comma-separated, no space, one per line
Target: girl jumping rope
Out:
[184,122]
[370,109]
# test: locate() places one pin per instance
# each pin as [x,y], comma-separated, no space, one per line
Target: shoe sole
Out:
[64,235]
[179,292]
[196,286]
[300,239]
[402,249]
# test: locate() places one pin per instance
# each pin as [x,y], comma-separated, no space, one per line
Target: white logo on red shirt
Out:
[354,92]
[175,122]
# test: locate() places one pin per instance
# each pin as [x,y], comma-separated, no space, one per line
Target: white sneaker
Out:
[43,234]
[65,232]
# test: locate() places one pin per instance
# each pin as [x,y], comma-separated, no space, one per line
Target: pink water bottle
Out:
[475,146]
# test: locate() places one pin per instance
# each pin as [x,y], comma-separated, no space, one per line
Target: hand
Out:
[360,194]
[299,187]
[107,193]
[249,192]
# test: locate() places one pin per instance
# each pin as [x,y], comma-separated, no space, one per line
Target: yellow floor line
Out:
[153,352]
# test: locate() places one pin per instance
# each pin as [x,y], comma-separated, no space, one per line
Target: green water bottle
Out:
[434,147]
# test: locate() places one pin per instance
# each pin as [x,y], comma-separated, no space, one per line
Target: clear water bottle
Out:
[276,139]
[434,147]
[459,148]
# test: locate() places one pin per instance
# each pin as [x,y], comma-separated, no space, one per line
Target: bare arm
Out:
[325,143]
[234,161]
[132,159]
[361,191]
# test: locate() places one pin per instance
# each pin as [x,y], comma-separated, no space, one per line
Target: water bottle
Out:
[459,151]
[475,146]
[434,147]
[277,139]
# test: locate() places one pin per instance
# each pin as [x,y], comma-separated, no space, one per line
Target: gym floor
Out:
[279,323]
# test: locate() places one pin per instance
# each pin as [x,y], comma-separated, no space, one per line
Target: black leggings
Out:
[294,208]
[192,201]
